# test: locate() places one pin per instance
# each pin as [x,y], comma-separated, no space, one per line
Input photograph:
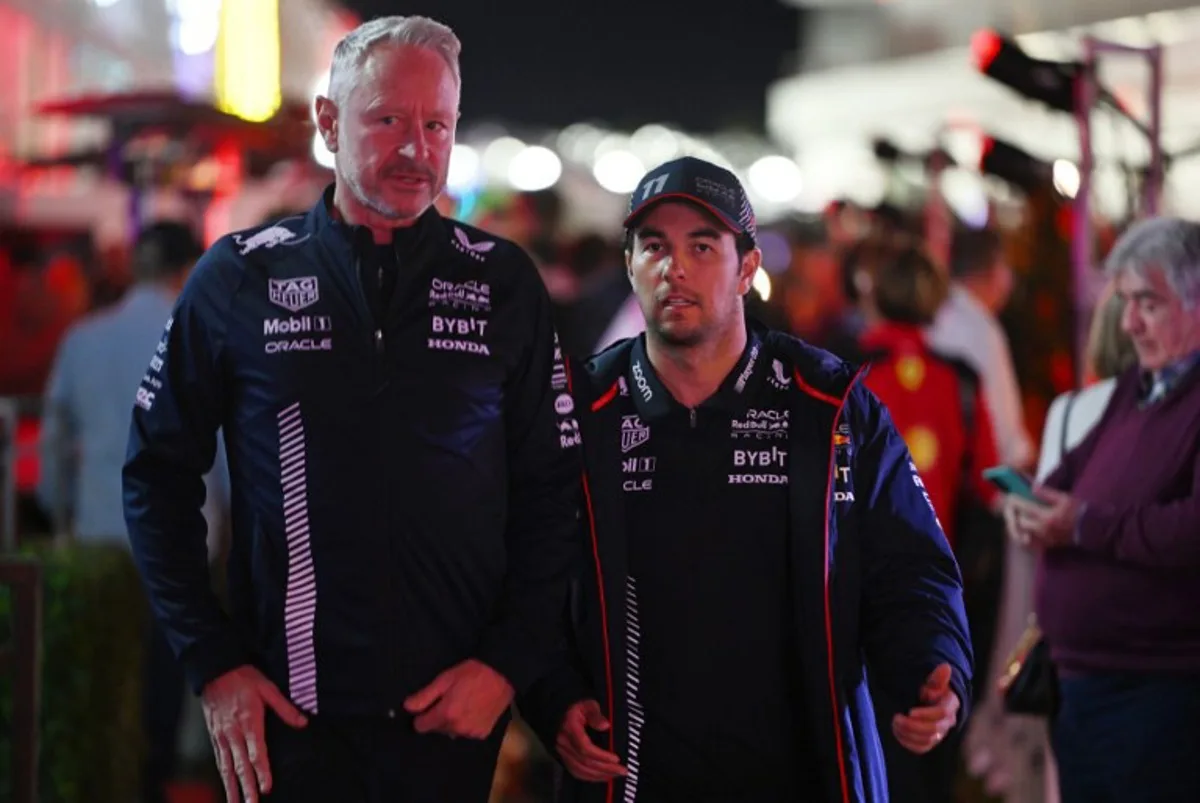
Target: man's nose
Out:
[413,144]
[673,266]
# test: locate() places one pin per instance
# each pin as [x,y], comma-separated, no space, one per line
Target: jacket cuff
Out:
[210,658]
[962,688]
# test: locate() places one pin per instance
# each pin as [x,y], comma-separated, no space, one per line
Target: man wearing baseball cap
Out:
[760,539]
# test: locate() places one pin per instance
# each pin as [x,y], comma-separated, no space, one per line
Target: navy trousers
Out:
[1128,738]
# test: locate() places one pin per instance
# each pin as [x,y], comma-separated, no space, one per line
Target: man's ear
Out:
[327,112]
[751,262]
[629,266]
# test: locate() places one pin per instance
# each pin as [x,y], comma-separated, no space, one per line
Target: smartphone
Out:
[1010,481]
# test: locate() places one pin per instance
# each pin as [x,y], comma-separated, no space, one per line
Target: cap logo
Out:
[654,186]
[716,190]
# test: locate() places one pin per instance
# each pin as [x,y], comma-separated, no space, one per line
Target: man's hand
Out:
[925,727]
[465,700]
[1046,525]
[579,753]
[234,707]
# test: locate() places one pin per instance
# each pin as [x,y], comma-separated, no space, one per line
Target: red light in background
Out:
[985,46]
[986,146]
[1062,371]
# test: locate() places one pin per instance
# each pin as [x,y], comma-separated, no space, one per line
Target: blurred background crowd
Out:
[924,171]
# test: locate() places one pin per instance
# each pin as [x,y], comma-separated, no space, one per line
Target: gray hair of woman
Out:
[1110,351]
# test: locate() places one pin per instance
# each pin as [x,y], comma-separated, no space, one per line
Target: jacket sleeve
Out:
[1161,535]
[544,705]
[542,528]
[172,445]
[913,614]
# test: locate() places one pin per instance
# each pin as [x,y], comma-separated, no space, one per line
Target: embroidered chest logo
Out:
[760,425]
[293,294]
[470,295]
[638,471]
[778,379]
[762,466]
[463,244]
[633,433]
[843,490]
[558,370]
[267,238]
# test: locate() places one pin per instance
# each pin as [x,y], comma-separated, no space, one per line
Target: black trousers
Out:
[1128,738]
[377,760]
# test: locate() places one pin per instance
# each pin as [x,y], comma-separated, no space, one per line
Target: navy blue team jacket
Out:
[404,483]
[878,592]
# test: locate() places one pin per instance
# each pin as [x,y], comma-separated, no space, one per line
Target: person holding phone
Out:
[1116,530]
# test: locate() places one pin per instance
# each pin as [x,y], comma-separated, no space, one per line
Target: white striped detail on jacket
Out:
[633,680]
[300,596]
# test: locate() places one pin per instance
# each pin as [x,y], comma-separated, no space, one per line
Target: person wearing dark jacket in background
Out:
[404,498]
[761,543]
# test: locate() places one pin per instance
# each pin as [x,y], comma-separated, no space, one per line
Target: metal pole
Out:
[1155,179]
[1082,274]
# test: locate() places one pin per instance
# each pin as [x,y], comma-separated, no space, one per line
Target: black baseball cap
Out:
[703,183]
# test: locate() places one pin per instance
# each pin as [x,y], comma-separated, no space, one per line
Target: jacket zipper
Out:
[832,662]
[608,673]
[378,324]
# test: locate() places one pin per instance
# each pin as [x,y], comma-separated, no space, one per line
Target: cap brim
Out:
[641,209]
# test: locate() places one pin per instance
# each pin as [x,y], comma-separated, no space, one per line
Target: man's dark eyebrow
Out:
[647,232]
[707,232]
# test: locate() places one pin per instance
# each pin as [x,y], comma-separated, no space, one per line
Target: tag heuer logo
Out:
[633,433]
[294,294]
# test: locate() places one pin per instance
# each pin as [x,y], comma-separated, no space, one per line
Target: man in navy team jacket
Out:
[760,542]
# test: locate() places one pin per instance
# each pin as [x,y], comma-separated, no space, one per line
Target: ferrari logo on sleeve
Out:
[910,372]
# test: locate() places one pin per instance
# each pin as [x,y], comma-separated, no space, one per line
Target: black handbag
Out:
[1030,683]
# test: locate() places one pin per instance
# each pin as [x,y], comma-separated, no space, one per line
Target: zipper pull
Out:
[379,341]
[692,416]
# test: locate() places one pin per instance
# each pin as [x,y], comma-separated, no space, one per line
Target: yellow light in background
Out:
[246,78]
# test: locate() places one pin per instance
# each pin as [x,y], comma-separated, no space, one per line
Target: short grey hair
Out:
[352,51]
[1169,244]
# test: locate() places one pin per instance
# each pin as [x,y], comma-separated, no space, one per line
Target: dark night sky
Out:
[697,64]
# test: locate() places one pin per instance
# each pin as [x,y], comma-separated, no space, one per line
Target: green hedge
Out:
[94,618]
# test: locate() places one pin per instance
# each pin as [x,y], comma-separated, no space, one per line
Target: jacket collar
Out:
[354,241]
[653,400]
